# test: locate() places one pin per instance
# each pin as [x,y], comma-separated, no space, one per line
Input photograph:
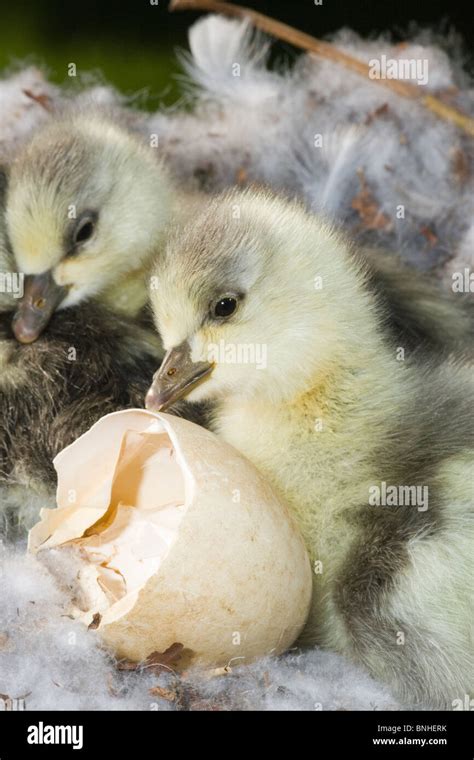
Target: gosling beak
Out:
[177,376]
[41,297]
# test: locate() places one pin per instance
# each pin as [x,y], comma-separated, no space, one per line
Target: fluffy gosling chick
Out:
[265,311]
[88,200]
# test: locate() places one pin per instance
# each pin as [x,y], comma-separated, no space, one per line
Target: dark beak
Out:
[177,376]
[40,299]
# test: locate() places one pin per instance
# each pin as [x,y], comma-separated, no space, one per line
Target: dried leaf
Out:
[163,661]
[97,617]
[43,100]
[168,694]
[157,662]
[366,206]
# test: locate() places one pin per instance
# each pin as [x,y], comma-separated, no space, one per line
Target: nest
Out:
[391,162]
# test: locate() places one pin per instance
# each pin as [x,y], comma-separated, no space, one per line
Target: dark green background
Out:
[132,43]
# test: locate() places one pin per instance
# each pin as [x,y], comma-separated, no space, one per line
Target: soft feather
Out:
[407,156]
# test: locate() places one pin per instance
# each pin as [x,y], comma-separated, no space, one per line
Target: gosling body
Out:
[338,416]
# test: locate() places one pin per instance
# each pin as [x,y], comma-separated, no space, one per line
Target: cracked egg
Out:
[178,538]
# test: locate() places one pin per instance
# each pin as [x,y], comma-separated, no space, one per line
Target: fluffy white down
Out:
[54,663]
[257,126]
[252,124]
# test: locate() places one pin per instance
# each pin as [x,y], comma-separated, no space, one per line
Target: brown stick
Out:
[329,52]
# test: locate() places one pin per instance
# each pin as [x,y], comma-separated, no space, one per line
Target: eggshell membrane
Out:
[207,553]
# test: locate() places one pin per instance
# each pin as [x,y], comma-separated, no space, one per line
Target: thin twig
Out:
[329,52]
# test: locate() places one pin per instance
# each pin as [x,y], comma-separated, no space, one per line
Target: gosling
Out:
[266,312]
[88,201]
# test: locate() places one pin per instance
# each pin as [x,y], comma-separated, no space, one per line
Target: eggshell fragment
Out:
[179,539]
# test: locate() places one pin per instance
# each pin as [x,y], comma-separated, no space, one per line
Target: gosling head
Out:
[87,202]
[253,299]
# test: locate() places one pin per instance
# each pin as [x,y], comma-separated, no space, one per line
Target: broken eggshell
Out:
[178,539]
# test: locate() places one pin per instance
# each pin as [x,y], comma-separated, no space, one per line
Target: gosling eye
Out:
[84,228]
[224,306]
